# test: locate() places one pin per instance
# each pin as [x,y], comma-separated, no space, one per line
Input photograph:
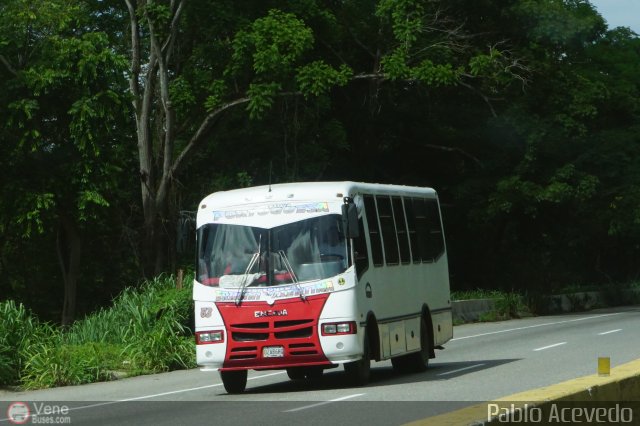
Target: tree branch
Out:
[8,65]
[206,124]
[484,97]
[173,30]
[134,84]
[455,149]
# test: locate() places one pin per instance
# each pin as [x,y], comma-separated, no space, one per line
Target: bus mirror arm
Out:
[350,218]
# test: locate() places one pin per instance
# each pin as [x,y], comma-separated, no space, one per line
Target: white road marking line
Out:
[534,326]
[324,403]
[191,389]
[550,346]
[160,394]
[459,370]
[609,332]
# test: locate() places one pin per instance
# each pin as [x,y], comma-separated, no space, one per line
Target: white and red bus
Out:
[308,276]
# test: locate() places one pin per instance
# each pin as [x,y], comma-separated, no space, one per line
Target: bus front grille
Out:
[240,336]
[247,352]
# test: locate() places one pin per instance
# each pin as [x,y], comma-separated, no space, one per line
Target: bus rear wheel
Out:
[359,372]
[234,381]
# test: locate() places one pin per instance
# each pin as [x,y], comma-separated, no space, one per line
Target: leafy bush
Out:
[147,329]
[510,305]
[162,348]
[51,365]
[476,294]
[19,331]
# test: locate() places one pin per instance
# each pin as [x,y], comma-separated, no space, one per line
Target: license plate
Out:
[273,352]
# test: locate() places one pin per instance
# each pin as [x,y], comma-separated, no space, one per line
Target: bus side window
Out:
[422,229]
[360,247]
[401,229]
[389,236]
[436,239]
[374,231]
[411,226]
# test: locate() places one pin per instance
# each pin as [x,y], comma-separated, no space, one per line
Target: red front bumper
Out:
[291,324]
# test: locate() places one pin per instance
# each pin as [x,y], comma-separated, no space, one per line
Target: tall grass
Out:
[19,330]
[147,329]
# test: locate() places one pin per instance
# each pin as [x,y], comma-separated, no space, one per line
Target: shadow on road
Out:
[380,376]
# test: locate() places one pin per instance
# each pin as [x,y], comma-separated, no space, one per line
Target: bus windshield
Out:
[238,256]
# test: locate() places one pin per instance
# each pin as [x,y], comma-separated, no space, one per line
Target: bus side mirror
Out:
[350,220]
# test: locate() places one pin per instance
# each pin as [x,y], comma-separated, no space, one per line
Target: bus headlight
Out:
[336,328]
[208,337]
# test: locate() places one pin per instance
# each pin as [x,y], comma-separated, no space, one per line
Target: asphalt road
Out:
[484,361]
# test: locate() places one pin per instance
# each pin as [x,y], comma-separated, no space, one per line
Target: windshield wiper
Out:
[287,265]
[252,262]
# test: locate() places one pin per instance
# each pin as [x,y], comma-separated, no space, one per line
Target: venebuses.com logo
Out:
[20,413]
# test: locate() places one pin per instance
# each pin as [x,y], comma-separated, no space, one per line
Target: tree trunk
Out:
[155,147]
[69,248]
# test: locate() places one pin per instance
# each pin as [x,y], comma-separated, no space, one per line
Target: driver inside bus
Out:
[330,245]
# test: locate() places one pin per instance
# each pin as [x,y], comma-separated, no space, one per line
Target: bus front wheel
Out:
[234,381]
[302,373]
[359,371]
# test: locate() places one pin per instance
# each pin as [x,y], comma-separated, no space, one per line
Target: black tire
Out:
[401,363]
[420,360]
[234,381]
[296,373]
[359,372]
[302,373]
[314,373]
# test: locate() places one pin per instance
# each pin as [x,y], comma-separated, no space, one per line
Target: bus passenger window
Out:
[411,226]
[360,247]
[389,236]
[422,229]
[401,229]
[436,239]
[374,232]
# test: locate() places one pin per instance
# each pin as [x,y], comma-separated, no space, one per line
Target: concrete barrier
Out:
[471,310]
[622,385]
[584,301]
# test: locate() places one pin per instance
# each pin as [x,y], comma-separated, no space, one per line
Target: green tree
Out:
[551,208]
[191,64]
[60,84]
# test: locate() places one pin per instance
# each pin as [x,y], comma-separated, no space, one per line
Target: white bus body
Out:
[283,282]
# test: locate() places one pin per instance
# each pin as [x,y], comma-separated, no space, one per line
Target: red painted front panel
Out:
[297,332]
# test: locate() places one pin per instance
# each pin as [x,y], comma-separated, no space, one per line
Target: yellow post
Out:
[604,365]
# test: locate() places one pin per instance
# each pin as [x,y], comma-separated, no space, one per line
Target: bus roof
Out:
[309,191]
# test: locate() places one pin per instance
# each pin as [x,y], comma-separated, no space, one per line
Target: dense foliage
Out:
[146,330]
[119,115]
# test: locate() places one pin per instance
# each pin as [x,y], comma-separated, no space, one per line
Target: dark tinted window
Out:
[411,227]
[389,236]
[422,229]
[436,239]
[360,247]
[401,229]
[374,231]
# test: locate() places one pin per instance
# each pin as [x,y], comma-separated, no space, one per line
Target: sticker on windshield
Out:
[255,294]
[274,209]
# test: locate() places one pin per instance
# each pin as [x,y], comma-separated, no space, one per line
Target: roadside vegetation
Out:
[570,298]
[146,330]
